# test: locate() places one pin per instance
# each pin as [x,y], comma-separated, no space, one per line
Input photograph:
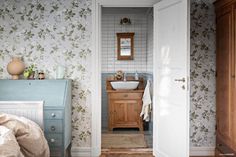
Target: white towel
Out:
[146,108]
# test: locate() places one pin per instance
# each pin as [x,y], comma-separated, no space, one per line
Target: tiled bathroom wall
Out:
[150,41]
[111,25]
[142,26]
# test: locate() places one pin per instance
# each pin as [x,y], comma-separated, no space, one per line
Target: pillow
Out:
[28,134]
[8,144]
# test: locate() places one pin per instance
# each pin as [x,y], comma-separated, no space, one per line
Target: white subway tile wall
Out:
[150,41]
[142,26]
[111,26]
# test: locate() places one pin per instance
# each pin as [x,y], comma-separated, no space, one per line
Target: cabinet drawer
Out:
[54,140]
[125,95]
[53,114]
[56,152]
[52,126]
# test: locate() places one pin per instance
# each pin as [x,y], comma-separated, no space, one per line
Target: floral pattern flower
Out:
[49,33]
[202,114]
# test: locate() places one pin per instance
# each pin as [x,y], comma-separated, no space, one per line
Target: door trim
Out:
[96,66]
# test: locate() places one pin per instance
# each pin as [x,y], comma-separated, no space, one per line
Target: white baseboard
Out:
[194,151]
[81,151]
[202,151]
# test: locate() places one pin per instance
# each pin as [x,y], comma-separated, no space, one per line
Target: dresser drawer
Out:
[53,114]
[125,95]
[56,152]
[54,140]
[52,126]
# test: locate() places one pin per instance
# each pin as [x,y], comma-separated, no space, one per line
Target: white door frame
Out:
[96,66]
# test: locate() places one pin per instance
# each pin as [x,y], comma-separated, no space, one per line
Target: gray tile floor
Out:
[147,134]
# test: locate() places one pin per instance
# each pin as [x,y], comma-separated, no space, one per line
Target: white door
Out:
[171,72]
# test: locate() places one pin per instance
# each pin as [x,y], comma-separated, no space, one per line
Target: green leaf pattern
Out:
[48,33]
[202,114]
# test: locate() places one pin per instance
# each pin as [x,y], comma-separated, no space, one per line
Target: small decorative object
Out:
[60,72]
[136,75]
[36,75]
[119,75]
[15,68]
[125,21]
[41,75]
[29,72]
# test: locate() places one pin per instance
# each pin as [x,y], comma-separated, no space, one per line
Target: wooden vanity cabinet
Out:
[124,109]
[124,106]
[225,77]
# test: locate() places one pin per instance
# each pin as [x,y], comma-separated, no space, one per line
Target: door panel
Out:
[171,72]
[233,110]
[223,79]
[119,112]
[132,112]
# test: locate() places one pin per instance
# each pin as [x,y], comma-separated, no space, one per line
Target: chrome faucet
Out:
[124,76]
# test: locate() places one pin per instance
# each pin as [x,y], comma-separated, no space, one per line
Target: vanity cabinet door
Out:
[119,112]
[125,114]
[133,114]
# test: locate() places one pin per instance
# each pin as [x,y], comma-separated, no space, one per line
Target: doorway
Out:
[122,126]
[170,79]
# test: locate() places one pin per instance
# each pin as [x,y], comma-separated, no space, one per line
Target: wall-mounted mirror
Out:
[125,46]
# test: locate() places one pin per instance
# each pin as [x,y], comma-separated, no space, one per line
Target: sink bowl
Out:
[124,84]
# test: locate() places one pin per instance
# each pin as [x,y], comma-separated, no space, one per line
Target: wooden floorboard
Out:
[127,153]
[146,152]
[136,155]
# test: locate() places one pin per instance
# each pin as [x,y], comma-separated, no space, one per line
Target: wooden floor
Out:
[147,134]
[126,153]
[129,153]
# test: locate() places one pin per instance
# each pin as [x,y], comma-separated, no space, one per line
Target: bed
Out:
[21,129]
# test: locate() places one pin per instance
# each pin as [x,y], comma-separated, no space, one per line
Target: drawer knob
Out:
[52,140]
[53,115]
[53,128]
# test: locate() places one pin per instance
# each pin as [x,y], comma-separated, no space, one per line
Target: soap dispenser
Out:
[136,76]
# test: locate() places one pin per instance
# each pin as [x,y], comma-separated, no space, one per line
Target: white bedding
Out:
[21,137]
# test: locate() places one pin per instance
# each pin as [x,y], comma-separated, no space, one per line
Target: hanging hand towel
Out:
[146,108]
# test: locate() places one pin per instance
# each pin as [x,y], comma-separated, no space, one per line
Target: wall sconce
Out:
[125,21]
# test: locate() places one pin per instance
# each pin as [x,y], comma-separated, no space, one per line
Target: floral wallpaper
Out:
[58,32]
[202,120]
[47,34]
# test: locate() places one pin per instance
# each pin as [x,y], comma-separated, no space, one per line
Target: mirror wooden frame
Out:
[119,37]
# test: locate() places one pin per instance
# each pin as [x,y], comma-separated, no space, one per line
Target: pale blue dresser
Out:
[56,95]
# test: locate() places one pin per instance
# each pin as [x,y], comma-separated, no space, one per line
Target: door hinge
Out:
[216,127]
[216,74]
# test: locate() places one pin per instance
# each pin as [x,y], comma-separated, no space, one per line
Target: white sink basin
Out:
[124,84]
